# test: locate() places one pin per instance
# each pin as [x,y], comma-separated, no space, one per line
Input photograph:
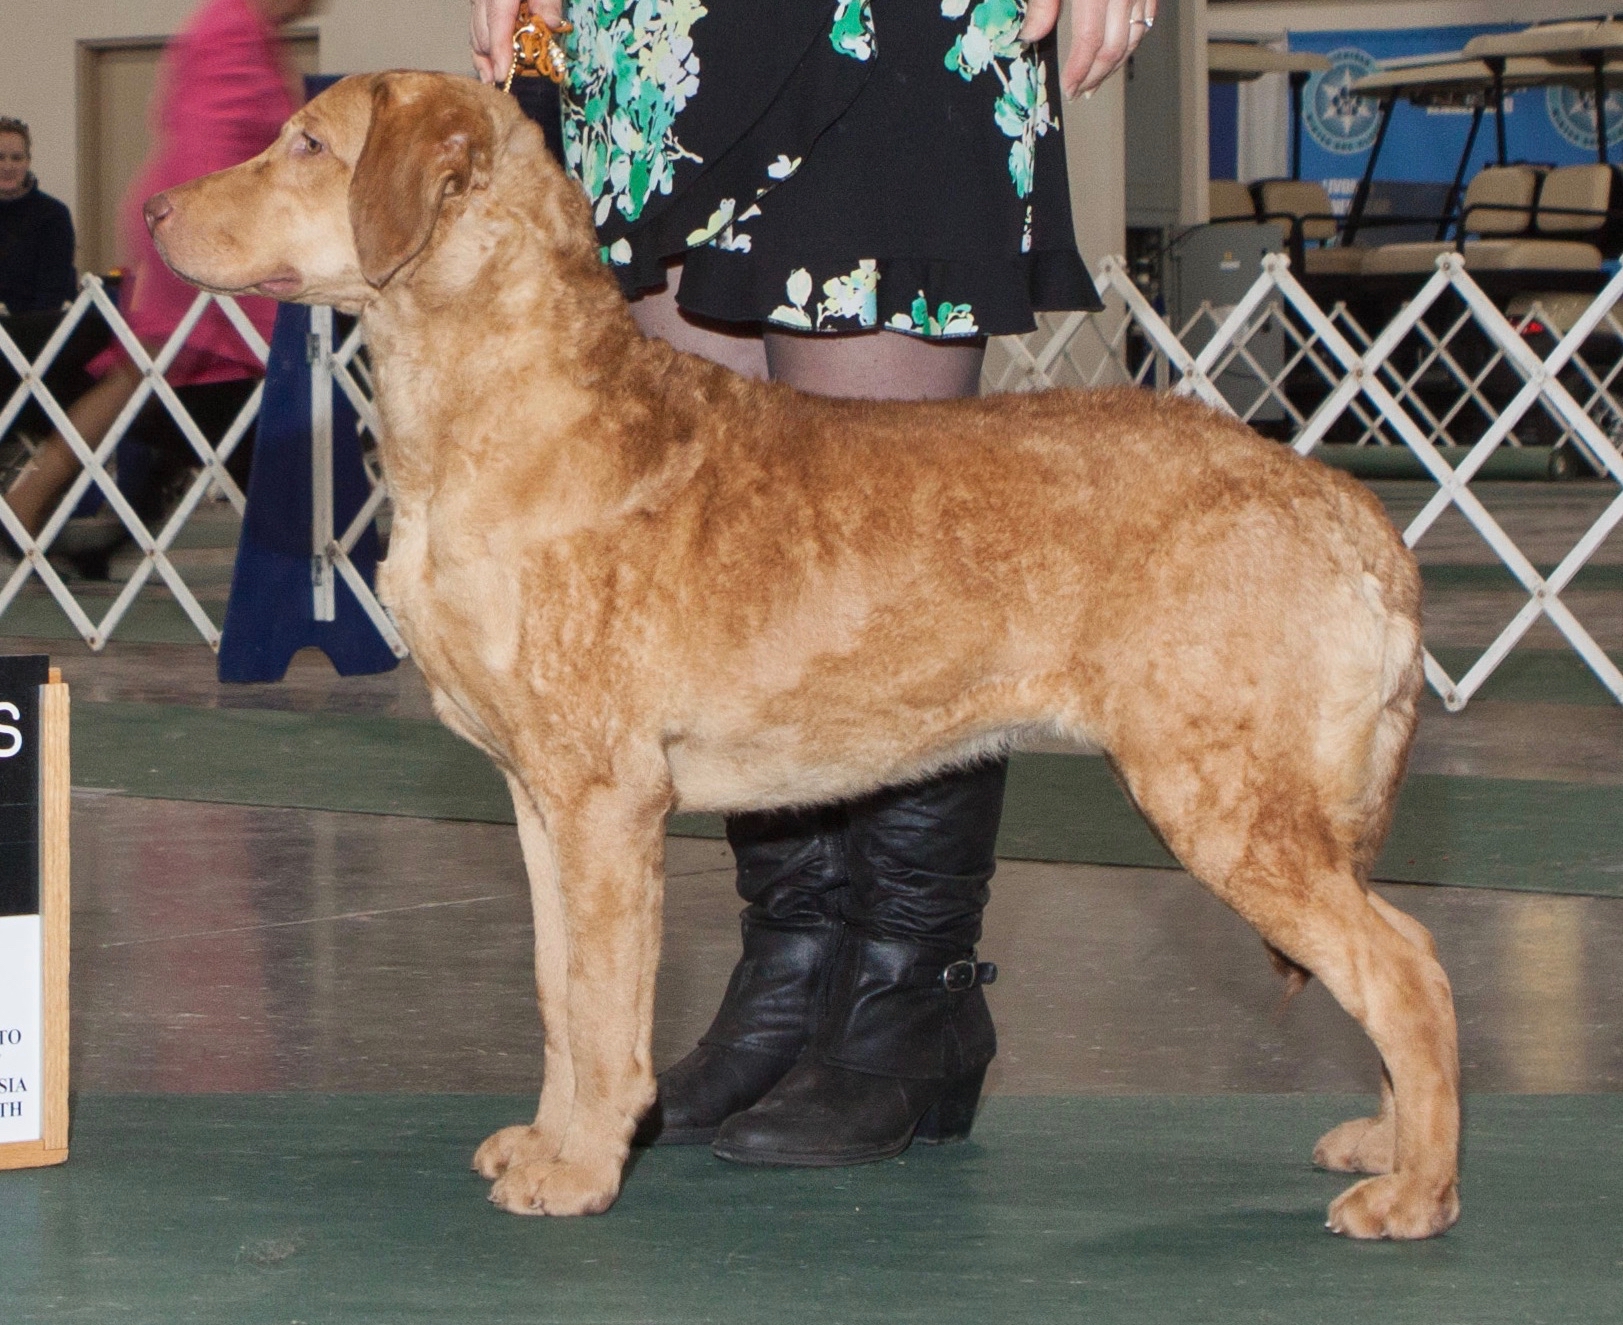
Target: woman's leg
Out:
[792,877]
[903,1035]
[34,492]
[733,345]
[871,365]
[876,365]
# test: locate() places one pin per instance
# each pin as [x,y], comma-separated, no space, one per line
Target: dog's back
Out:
[1138,571]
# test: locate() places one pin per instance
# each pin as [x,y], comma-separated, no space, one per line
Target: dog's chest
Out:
[453,613]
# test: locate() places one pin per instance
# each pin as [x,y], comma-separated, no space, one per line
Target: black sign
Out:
[20,680]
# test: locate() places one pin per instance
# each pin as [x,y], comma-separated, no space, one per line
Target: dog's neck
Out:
[506,353]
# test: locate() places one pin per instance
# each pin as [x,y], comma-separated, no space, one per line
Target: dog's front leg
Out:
[598,892]
[542,1139]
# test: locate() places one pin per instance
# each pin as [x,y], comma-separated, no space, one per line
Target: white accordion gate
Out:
[211,460]
[1361,382]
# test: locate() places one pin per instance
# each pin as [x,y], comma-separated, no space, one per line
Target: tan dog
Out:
[641,583]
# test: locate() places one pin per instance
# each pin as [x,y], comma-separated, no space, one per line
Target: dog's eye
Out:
[308,146]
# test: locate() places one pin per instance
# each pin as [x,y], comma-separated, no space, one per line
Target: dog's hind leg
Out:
[1257,829]
[1363,1145]
[596,960]
[1370,958]
[1369,1145]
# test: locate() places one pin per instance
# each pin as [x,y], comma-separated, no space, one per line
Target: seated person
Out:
[36,232]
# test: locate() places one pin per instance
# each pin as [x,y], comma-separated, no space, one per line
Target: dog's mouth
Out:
[280,285]
[283,283]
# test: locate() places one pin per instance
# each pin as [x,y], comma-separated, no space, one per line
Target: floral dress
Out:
[827,165]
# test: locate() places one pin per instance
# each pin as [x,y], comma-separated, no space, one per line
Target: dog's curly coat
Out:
[639,582]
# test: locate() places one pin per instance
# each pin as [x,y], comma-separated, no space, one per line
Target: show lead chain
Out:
[537,51]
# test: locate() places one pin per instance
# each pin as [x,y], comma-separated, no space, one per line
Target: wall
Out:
[1425,145]
[38,62]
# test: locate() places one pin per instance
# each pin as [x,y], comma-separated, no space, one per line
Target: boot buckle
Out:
[966,974]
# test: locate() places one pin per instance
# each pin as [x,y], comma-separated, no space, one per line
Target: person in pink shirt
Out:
[225,87]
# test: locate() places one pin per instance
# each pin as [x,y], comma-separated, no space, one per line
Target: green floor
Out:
[338,1209]
[1502,833]
[152,619]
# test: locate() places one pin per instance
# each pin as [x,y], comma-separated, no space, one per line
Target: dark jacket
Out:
[36,252]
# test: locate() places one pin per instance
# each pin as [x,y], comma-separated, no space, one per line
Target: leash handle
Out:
[537,52]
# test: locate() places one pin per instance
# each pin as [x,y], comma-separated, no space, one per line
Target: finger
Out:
[1113,49]
[1041,15]
[1137,31]
[491,34]
[550,12]
[1087,34]
[479,40]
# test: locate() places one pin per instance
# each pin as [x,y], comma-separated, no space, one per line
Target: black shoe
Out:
[90,564]
[791,870]
[923,1023]
[703,1090]
[904,1037]
[88,546]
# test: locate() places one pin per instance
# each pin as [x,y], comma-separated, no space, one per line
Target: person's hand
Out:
[1103,34]
[490,31]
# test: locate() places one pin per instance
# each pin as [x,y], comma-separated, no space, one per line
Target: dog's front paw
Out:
[512,1145]
[1394,1206]
[556,1187]
[1364,1145]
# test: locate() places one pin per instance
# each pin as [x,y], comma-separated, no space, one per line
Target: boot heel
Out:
[951,1116]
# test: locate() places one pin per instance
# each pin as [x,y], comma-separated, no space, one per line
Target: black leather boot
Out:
[904,1039]
[791,871]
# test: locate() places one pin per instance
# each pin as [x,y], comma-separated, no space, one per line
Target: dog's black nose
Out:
[158,207]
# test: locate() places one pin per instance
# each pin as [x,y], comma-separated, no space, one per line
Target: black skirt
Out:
[827,165]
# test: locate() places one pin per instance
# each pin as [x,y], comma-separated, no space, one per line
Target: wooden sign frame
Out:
[50,1090]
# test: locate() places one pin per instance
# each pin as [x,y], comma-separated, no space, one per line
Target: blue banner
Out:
[1551,126]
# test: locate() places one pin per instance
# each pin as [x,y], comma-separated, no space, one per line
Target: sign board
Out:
[33,913]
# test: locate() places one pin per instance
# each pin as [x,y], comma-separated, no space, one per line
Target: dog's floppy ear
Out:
[418,152]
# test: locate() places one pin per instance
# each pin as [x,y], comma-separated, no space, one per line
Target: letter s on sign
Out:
[11,738]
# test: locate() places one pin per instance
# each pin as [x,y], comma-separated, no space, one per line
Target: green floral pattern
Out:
[949,319]
[852,32]
[718,231]
[991,43]
[634,71]
[851,300]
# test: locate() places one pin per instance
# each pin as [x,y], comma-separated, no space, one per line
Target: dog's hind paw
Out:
[1364,1145]
[512,1145]
[1394,1206]
[556,1187]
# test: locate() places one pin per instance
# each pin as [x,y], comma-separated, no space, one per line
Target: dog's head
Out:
[366,180]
